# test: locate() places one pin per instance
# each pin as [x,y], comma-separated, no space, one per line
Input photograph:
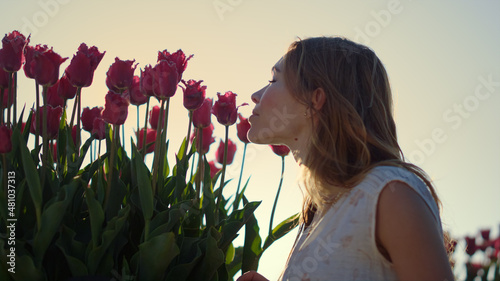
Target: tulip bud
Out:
[45,65]
[206,139]
[213,169]
[231,150]
[5,101]
[242,129]
[12,52]
[4,79]
[81,70]
[202,115]
[146,81]
[194,94]
[471,245]
[89,116]
[150,140]
[53,119]
[115,109]
[5,139]
[280,150]
[28,55]
[120,75]
[65,89]
[99,128]
[52,96]
[225,108]
[179,58]
[137,97]
[165,79]
[154,115]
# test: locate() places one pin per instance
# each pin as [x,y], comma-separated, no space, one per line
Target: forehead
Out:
[278,66]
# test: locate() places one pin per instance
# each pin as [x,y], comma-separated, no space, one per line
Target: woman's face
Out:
[278,117]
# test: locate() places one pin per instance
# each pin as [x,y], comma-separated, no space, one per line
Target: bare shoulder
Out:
[409,232]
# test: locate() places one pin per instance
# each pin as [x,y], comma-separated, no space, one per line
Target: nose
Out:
[257,95]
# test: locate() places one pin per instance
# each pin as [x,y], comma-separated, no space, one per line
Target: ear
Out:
[318,99]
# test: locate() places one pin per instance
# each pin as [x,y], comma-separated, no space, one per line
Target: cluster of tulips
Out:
[115,214]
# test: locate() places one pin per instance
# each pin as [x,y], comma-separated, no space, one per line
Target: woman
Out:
[367,214]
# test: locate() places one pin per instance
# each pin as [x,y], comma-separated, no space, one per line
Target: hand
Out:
[252,275]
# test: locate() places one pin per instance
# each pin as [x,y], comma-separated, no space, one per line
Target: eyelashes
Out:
[272,81]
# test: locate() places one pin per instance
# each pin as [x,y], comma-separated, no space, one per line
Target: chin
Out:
[259,136]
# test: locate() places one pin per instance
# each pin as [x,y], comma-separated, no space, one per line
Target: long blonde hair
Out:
[354,130]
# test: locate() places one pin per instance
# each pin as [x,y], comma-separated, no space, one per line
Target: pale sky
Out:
[443,59]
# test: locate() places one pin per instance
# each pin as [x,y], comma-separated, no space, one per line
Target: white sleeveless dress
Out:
[341,244]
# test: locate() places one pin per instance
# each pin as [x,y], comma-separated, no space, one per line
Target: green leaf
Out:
[96,216]
[155,255]
[51,221]
[30,172]
[213,258]
[234,222]
[69,247]
[144,185]
[281,230]
[110,233]
[230,254]
[252,247]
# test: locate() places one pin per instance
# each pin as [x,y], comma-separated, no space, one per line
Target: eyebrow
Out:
[275,69]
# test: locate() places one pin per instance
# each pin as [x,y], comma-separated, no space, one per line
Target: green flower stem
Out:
[157,151]
[37,123]
[163,144]
[8,99]
[75,104]
[219,198]
[123,136]
[138,129]
[14,120]
[189,132]
[236,201]
[4,167]
[277,196]
[45,137]
[199,178]
[116,135]
[145,133]
[78,128]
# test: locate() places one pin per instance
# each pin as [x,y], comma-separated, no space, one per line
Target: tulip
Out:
[137,97]
[5,101]
[154,115]
[89,116]
[99,128]
[280,150]
[120,75]
[45,65]
[485,234]
[28,55]
[165,79]
[147,76]
[65,89]
[4,79]
[5,139]
[206,139]
[242,129]
[150,140]
[194,94]
[52,96]
[231,150]
[179,58]
[213,169]
[202,115]
[225,108]
[471,245]
[80,71]
[53,119]
[115,109]
[12,52]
